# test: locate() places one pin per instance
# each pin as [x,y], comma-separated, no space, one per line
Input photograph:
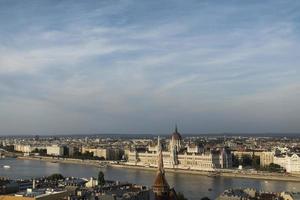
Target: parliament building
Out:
[177,155]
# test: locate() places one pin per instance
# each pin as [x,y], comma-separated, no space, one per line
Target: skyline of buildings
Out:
[247,157]
[95,87]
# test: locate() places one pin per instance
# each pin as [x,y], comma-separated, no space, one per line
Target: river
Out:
[194,187]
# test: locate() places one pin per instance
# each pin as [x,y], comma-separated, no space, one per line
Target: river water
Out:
[194,187]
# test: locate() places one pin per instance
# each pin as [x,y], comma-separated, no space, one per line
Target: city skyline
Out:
[140,67]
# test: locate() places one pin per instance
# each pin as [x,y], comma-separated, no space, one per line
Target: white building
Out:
[193,148]
[55,150]
[293,163]
[290,162]
[93,182]
[23,148]
[26,148]
[177,157]
[266,158]
[106,153]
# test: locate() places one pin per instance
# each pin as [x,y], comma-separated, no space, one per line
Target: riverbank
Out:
[265,176]
[229,174]
[95,163]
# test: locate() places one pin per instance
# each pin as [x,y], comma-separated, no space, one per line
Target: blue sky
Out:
[141,66]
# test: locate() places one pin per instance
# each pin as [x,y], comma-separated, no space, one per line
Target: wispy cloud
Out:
[127,65]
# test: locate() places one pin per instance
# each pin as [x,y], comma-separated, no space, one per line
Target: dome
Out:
[176,135]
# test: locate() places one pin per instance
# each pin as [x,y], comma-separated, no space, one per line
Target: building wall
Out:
[293,164]
[248,153]
[91,183]
[106,153]
[55,150]
[23,148]
[194,149]
[266,158]
[27,148]
[282,161]
[199,161]
[290,163]
[207,161]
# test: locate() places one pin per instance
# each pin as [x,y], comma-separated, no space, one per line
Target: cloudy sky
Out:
[73,67]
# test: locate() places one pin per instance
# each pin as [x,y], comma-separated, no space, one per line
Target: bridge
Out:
[3,150]
[4,153]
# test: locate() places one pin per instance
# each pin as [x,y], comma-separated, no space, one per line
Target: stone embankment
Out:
[228,173]
[96,163]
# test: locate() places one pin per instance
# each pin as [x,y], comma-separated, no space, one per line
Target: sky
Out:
[83,67]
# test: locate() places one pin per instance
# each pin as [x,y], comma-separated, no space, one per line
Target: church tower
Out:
[161,187]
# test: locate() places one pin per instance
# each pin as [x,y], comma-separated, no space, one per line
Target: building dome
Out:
[176,135]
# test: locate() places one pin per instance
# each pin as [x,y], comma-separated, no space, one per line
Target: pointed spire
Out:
[160,162]
[158,144]
[176,129]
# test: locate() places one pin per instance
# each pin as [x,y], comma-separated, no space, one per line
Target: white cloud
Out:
[104,64]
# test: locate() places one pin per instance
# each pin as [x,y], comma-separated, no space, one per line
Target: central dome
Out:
[176,135]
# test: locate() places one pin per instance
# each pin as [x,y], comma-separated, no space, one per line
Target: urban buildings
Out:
[289,161]
[283,157]
[252,194]
[76,189]
[178,155]
[55,150]
[266,158]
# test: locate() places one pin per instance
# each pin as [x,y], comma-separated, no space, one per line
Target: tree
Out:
[55,177]
[235,161]
[256,162]
[180,196]
[274,168]
[205,198]
[42,152]
[246,160]
[101,180]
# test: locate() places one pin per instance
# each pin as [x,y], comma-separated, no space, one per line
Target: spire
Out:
[176,129]
[160,162]
[160,187]
[158,144]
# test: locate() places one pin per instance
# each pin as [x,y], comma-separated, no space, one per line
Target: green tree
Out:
[55,177]
[101,180]
[42,152]
[246,160]
[274,168]
[235,161]
[256,162]
[205,198]
[180,196]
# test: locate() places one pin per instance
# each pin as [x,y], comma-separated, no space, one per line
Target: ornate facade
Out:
[176,155]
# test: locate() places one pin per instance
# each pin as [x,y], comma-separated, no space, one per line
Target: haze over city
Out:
[142,66]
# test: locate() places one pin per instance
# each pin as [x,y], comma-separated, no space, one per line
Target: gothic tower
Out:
[161,187]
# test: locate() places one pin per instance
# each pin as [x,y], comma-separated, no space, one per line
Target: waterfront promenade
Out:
[225,173]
